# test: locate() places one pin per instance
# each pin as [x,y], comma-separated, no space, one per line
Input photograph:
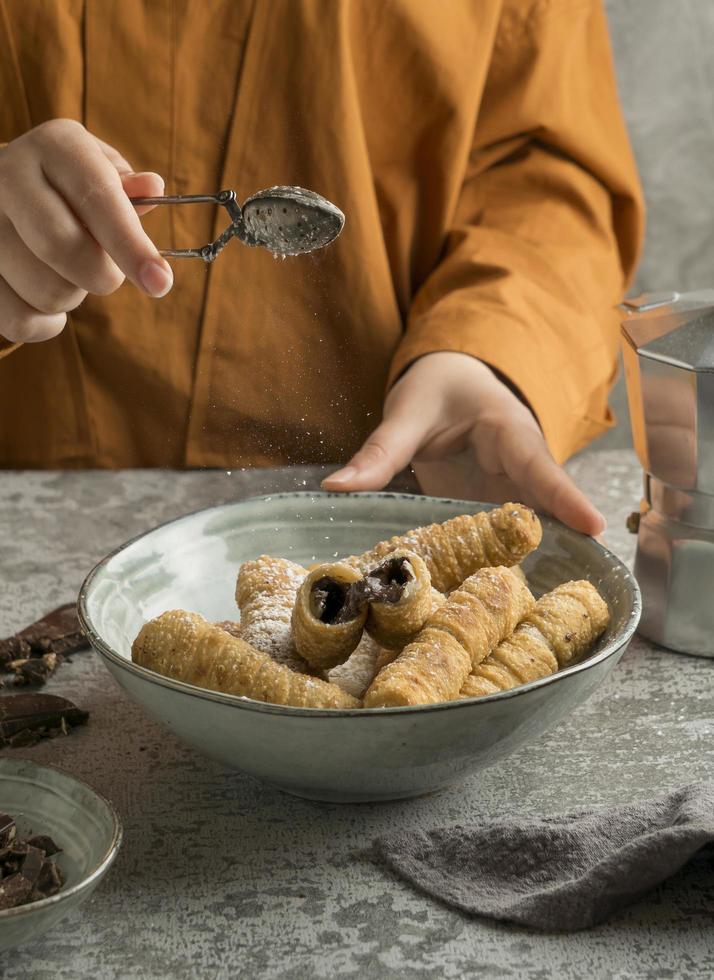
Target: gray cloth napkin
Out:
[557,873]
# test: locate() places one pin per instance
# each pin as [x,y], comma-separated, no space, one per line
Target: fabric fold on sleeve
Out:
[547,229]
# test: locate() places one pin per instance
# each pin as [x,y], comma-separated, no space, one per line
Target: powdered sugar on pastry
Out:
[461,546]
[186,647]
[265,592]
[356,674]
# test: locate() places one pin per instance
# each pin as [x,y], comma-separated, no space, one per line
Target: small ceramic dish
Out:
[339,755]
[80,821]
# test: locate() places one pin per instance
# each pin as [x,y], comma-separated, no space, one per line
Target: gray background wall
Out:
[664,52]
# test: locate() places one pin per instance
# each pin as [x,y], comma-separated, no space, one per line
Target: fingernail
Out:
[341,476]
[156,277]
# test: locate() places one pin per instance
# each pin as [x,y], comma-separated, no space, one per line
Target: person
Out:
[463,322]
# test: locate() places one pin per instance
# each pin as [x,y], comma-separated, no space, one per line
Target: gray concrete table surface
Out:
[220,876]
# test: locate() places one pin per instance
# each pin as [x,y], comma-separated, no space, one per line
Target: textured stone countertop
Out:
[290,893]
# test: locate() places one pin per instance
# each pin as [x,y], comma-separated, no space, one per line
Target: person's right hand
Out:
[67,228]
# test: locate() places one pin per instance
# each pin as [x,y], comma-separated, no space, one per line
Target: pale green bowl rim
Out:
[104,863]
[620,639]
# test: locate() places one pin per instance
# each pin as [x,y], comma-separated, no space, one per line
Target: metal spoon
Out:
[285,220]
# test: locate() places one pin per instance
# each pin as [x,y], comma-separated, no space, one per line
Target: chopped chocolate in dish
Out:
[44,843]
[27,872]
[387,582]
[338,602]
[27,718]
[34,653]
[8,831]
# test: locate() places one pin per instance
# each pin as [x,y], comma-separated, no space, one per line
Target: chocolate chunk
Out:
[14,649]
[14,890]
[49,882]
[57,633]
[44,843]
[25,739]
[26,872]
[8,830]
[32,864]
[26,718]
[34,670]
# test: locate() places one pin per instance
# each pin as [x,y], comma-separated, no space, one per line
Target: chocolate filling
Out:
[336,602]
[387,582]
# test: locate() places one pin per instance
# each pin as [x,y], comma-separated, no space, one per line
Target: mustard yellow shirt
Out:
[479,153]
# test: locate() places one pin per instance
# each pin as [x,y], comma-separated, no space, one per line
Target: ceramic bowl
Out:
[339,755]
[82,823]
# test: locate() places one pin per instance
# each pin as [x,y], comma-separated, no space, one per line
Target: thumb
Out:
[390,448]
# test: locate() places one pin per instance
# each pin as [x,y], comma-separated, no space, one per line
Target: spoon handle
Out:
[206,252]
[180,199]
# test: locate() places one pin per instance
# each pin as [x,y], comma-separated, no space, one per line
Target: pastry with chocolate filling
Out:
[388,654]
[459,547]
[329,615]
[185,647]
[455,639]
[399,592]
[266,589]
[561,628]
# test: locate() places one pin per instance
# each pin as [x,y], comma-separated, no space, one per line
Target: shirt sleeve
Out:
[547,229]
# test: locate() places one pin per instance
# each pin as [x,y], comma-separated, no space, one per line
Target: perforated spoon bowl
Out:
[285,220]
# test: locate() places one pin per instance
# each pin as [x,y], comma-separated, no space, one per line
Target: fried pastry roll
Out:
[459,547]
[230,626]
[561,628]
[186,647]
[456,637]
[266,589]
[570,619]
[399,592]
[329,614]
[386,654]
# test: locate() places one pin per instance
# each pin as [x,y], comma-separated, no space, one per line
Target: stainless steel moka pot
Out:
[668,348]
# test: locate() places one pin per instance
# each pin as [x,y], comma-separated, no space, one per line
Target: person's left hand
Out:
[468,436]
